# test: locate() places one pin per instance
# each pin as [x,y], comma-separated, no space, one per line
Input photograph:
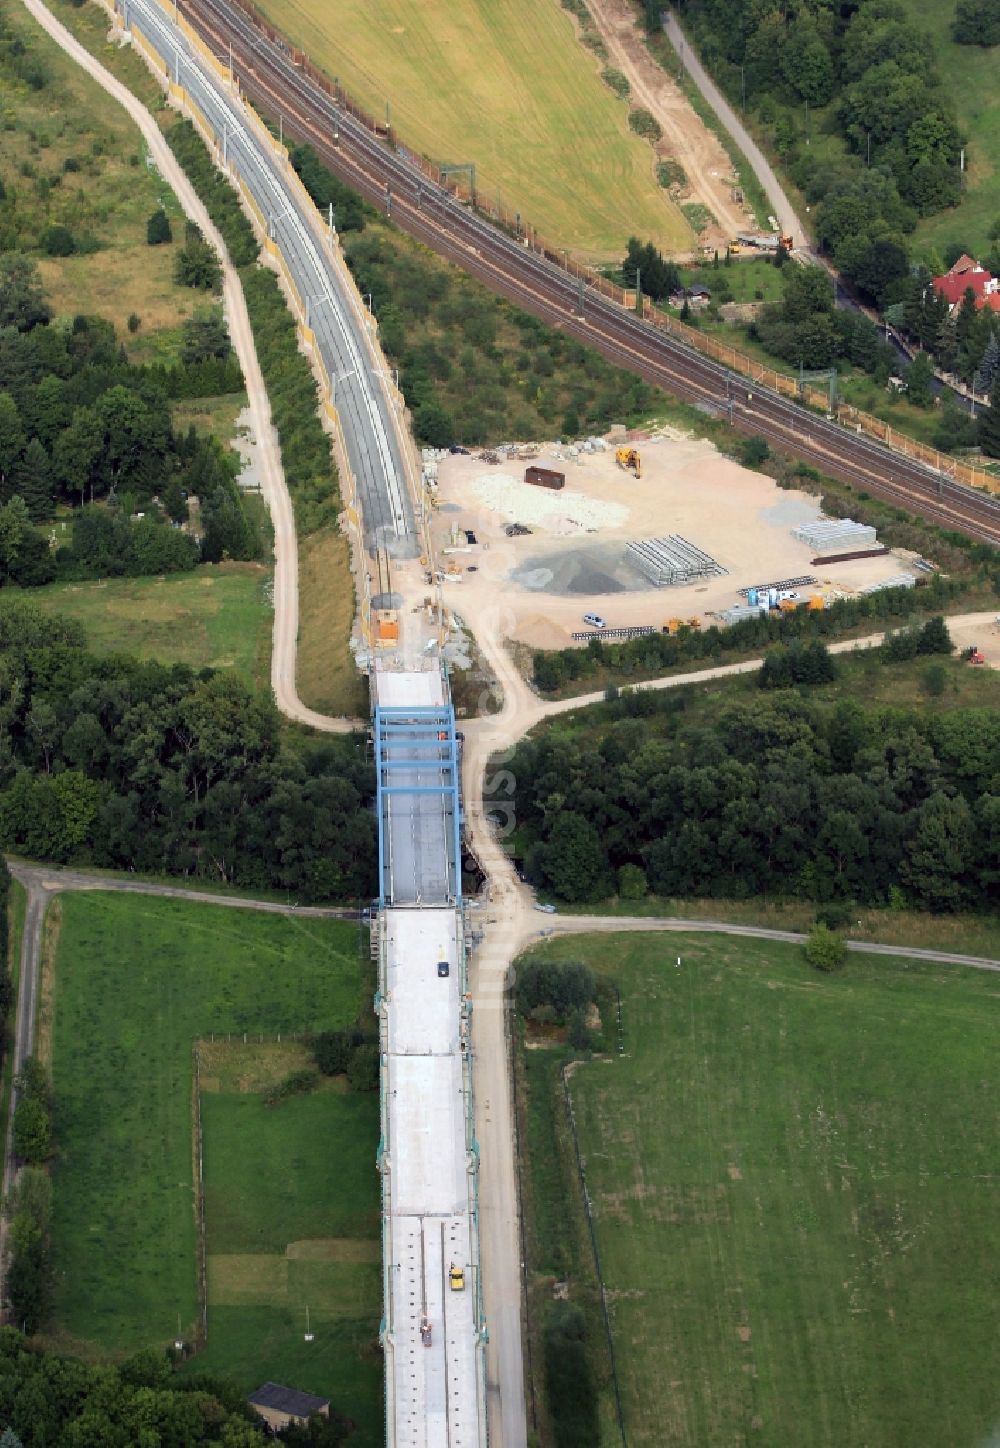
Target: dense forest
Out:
[136,766]
[781,795]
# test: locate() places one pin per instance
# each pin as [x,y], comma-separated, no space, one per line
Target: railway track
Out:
[393,183]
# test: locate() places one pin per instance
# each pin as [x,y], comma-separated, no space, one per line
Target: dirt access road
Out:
[272,478]
[789,222]
[686,138]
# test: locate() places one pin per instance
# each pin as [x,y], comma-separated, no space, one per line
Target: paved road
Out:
[791,223]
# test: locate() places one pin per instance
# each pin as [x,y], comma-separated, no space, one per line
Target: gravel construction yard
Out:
[574,560]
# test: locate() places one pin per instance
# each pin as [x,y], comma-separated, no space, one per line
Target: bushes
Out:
[158,228]
[644,123]
[297,1083]
[617,81]
[564,987]
[29,1273]
[305,447]
[824,950]
[569,1386]
[33,1114]
[215,191]
[348,1053]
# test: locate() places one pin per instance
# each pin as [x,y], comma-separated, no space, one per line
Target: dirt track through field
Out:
[686,138]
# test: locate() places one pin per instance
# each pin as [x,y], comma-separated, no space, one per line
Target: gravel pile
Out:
[563,513]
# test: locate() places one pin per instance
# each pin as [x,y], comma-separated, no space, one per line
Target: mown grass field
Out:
[507,87]
[325,671]
[291,1222]
[216,617]
[969,74]
[793,1180]
[136,982]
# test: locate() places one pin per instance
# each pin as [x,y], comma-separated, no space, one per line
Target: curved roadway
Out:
[332,310]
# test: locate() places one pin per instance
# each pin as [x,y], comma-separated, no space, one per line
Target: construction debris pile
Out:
[563,513]
[672,561]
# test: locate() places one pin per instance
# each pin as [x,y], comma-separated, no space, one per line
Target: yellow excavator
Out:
[627,457]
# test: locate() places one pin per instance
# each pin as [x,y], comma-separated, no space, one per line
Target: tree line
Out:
[660,652]
[138,766]
[310,471]
[786,795]
[51,1401]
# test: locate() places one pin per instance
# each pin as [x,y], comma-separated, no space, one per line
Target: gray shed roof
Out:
[288,1400]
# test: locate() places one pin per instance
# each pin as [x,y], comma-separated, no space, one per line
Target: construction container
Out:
[835,535]
[740,611]
[545,478]
[386,626]
[817,603]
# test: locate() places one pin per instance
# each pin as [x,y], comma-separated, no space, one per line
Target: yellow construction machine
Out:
[627,457]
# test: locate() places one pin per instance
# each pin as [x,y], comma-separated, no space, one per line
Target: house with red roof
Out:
[967,275]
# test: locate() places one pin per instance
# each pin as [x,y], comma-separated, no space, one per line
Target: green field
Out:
[136,983]
[969,74]
[508,87]
[292,1222]
[217,616]
[793,1180]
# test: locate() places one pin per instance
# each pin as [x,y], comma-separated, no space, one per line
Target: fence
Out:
[181,98]
[515,224]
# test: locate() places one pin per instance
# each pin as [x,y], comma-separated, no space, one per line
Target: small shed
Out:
[280,1407]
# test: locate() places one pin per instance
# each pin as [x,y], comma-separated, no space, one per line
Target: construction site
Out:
[644,533]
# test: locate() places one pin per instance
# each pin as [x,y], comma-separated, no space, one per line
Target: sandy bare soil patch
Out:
[573,561]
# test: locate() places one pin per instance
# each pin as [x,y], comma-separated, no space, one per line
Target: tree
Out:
[12,442]
[825,950]
[573,861]
[754,452]
[33,481]
[197,265]
[158,228]
[632,883]
[433,425]
[32,1131]
[58,241]
[989,366]
[989,425]
[203,336]
[919,377]
[934,637]
[977,22]
[22,304]
[939,853]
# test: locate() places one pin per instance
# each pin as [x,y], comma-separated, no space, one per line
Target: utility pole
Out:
[388,199]
[638,290]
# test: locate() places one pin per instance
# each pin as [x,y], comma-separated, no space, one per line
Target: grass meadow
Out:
[325,669]
[136,983]
[969,74]
[79,160]
[509,88]
[793,1180]
[292,1222]
[215,617]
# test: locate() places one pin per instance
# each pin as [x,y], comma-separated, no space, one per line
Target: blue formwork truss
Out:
[417,740]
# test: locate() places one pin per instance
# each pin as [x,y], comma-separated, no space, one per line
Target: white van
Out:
[595,620]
